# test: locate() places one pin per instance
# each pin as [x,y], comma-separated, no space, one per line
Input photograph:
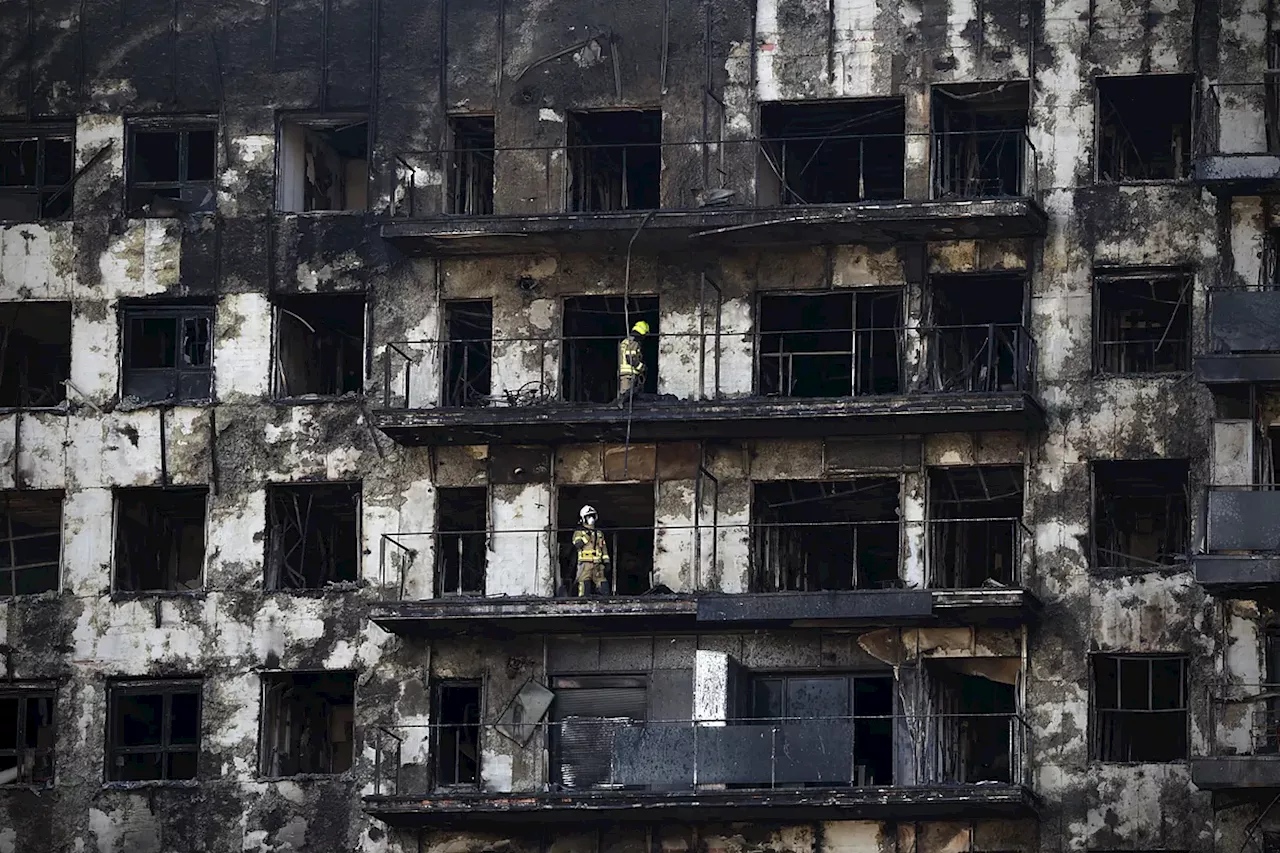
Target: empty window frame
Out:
[172,164]
[975,526]
[323,164]
[160,539]
[313,535]
[812,536]
[976,341]
[1143,322]
[615,160]
[830,344]
[974,726]
[153,730]
[585,714]
[468,353]
[471,165]
[35,353]
[1139,708]
[30,541]
[455,714]
[626,513]
[462,519]
[979,140]
[319,345]
[832,151]
[1140,515]
[594,326]
[27,735]
[307,722]
[37,163]
[1144,127]
[168,352]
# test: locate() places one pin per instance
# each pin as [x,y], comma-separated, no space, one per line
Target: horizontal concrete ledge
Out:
[557,423]
[861,803]
[1237,174]
[1237,576]
[1233,772]
[716,229]
[1238,367]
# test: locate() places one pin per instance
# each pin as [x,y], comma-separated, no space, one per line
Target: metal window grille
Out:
[153,730]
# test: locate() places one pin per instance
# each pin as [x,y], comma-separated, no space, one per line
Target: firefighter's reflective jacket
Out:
[591,545]
[630,358]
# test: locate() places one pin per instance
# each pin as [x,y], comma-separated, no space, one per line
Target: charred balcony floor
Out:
[507,616]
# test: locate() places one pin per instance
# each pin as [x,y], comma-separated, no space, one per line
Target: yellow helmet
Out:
[641,328]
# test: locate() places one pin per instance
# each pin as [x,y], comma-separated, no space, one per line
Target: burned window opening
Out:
[615,160]
[1143,322]
[153,731]
[323,164]
[35,354]
[168,352]
[977,341]
[30,542]
[832,152]
[37,163]
[594,326]
[830,344]
[1139,708]
[975,526]
[307,723]
[462,519]
[456,746]
[1144,127]
[825,535]
[471,167]
[27,736]
[468,368]
[171,168]
[1141,521]
[980,140]
[319,345]
[586,714]
[972,724]
[313,538]
[625,519]
[160,539]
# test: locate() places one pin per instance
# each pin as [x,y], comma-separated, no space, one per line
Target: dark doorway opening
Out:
[626,519]
[974,727]
[456,746]
[471,165]
[976,341]
[980,146]
[975,527]
[615,160]
[468,354]
[594,326]
[462,519]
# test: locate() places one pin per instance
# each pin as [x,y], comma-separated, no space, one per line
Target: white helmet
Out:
[586,511]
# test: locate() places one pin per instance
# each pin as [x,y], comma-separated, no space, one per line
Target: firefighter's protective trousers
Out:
[593,558]
[630,365]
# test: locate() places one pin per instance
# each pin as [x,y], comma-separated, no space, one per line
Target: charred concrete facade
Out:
[303,304]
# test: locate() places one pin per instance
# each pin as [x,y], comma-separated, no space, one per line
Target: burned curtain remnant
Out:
[462,519]
[593,328]
[35,353]
[626,513]
[471,165]
[307,723]
[171,167]
[1143,321]
[971,731]
[1141,519]
[975,527]
[319,345]
[1144,127]
[313,537]
[468,354]
[1139,708]
[456,734]
[36,167]
[160,539]
[615,160]
[168,353]
[30,541]
[153,730]
[979,132]
[323,164]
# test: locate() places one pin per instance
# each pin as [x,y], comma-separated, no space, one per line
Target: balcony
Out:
[1242,545]
[1244,337]
[1238,139]
[715,195]
[709,385]
[611,770]
[1245,752]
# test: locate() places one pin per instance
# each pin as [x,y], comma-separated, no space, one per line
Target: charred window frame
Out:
[615,160]
[471,165]
[1141,520]
[322,163]
[27,734]
[35,354]
[980,140]
[172,165]
[1142,322]
[1144,127]
[37,164]
[462,522]
[456,711]
[468,352]
[975,526]
[977,340]
[168,352]
[160,539]
[1139,708]
[30,542]
[153,730]
[586,712]
[313,535]
[593,327]
[308,723]
[627,520]
[319,345]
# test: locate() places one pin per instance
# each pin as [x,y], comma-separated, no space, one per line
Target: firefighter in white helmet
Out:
[631,365]
[593,553]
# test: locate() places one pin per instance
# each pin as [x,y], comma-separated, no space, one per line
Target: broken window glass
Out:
[615,160]
[1143,322]
[461,519]
[975,526]
[593,328]
[456,742]
[471,165]
[26,735]
[323,164]
[979,132]
[36,167]
[1144,127]
[35,353]
[307,723]
[468,369]
[313,538]
[1140,708]
[625,517]
[319,345]
[171,168]
[168,352]
[30,541]
[1141,519]
[153,731]
[976,341]
[160,539]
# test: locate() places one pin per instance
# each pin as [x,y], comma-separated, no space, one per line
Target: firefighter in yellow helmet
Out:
[631,362]
[593,553]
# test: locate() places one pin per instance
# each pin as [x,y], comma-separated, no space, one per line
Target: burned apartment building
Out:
[938,519]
